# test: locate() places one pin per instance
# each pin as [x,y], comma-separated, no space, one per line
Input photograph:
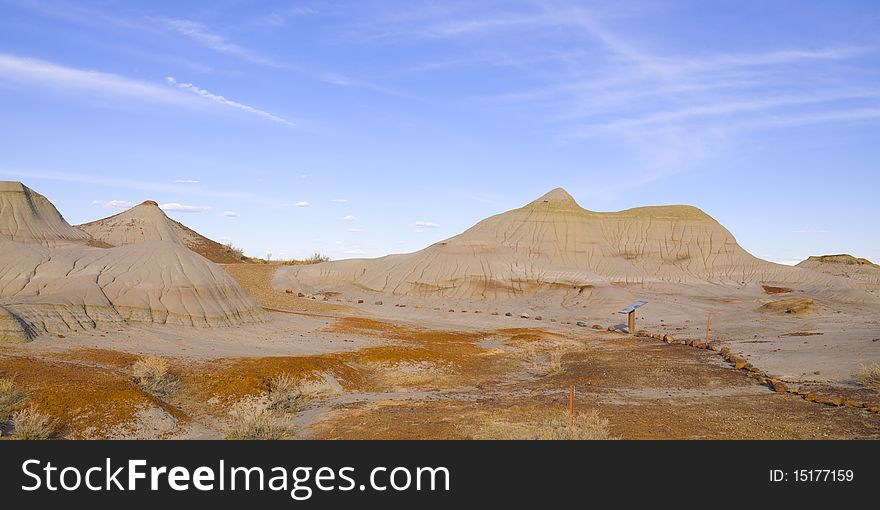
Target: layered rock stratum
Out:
[28,217]
[55,278]
[147,222]
[554,247]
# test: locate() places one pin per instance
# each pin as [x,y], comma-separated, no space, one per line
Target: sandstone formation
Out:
[28,217]
[147,222]
[554,248]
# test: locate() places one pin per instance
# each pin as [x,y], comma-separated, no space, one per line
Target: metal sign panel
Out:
[633,307]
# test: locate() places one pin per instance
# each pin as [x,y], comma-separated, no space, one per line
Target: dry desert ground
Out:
[137,327]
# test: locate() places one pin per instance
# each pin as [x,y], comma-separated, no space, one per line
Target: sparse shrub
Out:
[235,251]
[32,425]
[10,397]
[585,427]
[252,420]
[284,394]
[554,365]
[870,375]
[317,258]
[152,374]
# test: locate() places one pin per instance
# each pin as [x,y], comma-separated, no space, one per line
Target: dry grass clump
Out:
[285,394]
[10,397]
[870,375]
[32,425]
[585,427]
[153,375]
[235,251]
[253,420]
[316,258]
[288,395]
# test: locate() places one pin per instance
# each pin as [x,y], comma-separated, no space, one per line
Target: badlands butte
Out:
[136,326]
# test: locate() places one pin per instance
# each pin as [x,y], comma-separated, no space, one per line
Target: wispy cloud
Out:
[302,204]
[59,78]
[339,200]
[349,217]
[202,35]
[230,214]
[175,207]
[186,181]
[810,231]
[426,224]
[672,108]
[189,87]
[114,204]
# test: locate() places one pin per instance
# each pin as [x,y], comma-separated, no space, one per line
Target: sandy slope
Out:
[147,222]
[28,217]
[861,272]
[63,289]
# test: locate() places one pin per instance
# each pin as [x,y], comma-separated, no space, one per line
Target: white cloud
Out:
[355,230]
[200,34]
[186,181]
[59,78]
[340,200]
[349,218]
[189,87]
[810,231]
[426,224]
[175,207]
[114,204]
[303,204]
[230,214]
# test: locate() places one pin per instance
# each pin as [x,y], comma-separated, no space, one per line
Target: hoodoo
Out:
[147,222]
[28,217]
[554,246]
[55,278]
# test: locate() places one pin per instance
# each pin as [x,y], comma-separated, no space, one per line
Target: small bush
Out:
[32,425]
[284,394]
[316,258]
[585,427]
[252,420]
[152,374]
[10,397]
[870,375]
[235,251]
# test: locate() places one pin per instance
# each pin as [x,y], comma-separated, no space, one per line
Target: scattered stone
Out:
[300,294]
[611,328]
[524,316]
[552,320]
[508,314]
[839,401]
[495,312]
[451,310]
[288,291]
[539,318]
[597,327]
[643,334]
[581,324]
[360,301]
[778,386]
[378,303]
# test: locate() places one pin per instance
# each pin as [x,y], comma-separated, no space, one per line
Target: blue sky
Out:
[369,127]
